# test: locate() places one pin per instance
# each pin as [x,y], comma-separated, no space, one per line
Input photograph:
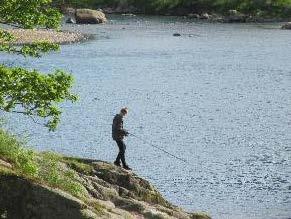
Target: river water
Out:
[218,96]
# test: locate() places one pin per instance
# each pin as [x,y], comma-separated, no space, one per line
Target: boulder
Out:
[193,15]
[233,12]
[176,34]
[68,11]
[235,16]
[88,16]
[287,26]
[70,21]
[205,16]
[236,19]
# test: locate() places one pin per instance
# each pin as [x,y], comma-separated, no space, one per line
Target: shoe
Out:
[117,164]
[126,167]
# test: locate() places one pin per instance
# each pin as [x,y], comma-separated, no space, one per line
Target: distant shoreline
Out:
[28,36]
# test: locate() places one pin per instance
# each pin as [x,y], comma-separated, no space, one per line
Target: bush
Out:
[23,159]
[49,168]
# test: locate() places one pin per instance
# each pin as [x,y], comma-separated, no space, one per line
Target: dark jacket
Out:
[118,132]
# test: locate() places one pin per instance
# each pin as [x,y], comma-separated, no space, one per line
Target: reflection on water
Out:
[218,96]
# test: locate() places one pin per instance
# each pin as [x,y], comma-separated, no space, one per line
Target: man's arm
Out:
[119,126]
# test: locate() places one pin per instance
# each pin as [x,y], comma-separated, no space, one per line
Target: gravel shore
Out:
[27,36]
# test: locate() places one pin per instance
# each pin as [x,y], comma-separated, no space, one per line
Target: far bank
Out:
[226,11]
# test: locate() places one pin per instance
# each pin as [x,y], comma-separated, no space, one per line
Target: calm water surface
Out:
[218,96]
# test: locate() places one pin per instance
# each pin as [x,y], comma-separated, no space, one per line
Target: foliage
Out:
[30,92]
[23,159]
[256,7]
[47,167]
[34,94]
[265,7]
[29,13]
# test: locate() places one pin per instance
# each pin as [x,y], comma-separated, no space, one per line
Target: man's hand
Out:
[126,133]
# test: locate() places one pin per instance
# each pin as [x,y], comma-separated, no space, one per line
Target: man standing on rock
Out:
[118,134]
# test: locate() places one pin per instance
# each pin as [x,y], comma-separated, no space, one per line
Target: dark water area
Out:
[219,96]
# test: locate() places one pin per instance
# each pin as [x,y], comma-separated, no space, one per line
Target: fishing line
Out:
[163,150]
[168,153]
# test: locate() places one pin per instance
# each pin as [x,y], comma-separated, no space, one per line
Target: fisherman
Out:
[118,134]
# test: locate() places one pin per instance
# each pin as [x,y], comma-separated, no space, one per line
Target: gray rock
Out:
[70,20]
[88,16]
[193,15]
[176,34]
[235,16]
[205,16]
[24,199]
[68,11]
[233,12]
[5,164]
[287,26]
[236,19]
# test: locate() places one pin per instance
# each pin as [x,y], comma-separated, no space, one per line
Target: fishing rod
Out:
[163,150]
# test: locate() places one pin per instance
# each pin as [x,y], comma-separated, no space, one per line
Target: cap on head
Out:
[124,110]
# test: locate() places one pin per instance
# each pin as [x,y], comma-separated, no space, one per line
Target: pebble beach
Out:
[27,36]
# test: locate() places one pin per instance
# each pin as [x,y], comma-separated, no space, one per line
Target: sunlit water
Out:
[219,96]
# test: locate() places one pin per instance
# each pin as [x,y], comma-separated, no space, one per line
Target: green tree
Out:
[31,92]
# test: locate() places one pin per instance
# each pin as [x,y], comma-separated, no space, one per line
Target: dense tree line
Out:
[252,7]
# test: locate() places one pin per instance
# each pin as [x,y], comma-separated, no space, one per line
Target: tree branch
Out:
[20,112]
[25,113]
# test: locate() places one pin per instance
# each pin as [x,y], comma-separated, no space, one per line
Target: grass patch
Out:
[55,173]
[48,168]
[200,215]
[23,159]
[79,166]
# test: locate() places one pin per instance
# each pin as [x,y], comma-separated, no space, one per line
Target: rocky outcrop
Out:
[88,16]
[235,16]
[287,26]
[111,193]
[21,198]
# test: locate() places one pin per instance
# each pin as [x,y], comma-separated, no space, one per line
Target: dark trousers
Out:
[121,154]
